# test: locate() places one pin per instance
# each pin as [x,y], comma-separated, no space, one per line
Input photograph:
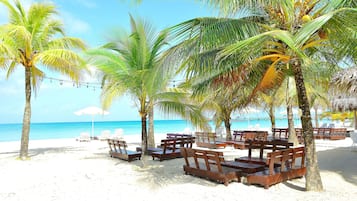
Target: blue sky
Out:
[92,21]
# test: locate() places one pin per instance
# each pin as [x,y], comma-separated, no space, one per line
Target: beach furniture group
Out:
[277,160]
[281,163]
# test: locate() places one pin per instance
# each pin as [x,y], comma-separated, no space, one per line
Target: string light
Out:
[89,85]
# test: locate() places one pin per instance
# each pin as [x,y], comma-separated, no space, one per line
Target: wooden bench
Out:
[177,135]
[280,133]
[272,145]
[337,134]
[150,150]
[170,148]
[208,140]
[207,164]
[118,150]
[241,138]
[321,133]
[282,165]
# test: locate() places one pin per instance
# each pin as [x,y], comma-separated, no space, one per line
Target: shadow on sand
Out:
[340,160]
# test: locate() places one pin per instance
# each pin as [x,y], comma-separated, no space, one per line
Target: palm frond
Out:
[67,43]
[61,60]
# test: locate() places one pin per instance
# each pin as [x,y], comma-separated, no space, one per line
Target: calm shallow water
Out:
[12,132]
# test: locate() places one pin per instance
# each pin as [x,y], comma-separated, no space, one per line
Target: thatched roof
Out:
[344,83]
[344,103]
[343,90]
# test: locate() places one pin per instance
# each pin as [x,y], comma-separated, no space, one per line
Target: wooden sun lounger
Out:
[242,138]
[261,146]
[337,134]
[282,165]
[280,133]
[170,148]
[207,164]
[118,150]
[208,140]
[177,135]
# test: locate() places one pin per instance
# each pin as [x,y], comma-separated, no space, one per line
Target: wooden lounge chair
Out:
[337,134]
[118,150]
[280,133]
[177,135]
[208,140]
[282,165]
[242,138]
[170,148]
[272,145]
[207,164]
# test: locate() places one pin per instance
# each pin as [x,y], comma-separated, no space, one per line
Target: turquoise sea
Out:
[12,132]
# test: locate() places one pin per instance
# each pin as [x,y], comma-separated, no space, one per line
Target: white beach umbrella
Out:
[91,111]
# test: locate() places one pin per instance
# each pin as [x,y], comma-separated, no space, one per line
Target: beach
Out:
[66,169]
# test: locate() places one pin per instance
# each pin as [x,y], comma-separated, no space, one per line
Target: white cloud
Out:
[74,25]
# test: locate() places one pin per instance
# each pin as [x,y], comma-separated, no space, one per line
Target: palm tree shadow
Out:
[294,186]
[53,150]
[341,161]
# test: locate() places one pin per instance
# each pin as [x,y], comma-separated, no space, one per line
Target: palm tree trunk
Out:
[272,116]
[27,116]
[316,117]
[144,137]
[289,110]
[227,125]
[291,126]
[313,178]
[151,135]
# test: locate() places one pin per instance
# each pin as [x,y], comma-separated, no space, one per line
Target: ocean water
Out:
[12,132]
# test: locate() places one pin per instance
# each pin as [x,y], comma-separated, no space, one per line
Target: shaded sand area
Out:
[71,170]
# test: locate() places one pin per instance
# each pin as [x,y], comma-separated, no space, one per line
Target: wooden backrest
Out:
[203,159]
[298,153]
[277,144]
[261,135]
[118,146]
[286,158]
[253,144]
[169,144]
[238,135]
[186,141]
[111,145]
[280,157]
[280,133]
[250,135]
[177,135]
[338,131]
[208,137]
[323,131]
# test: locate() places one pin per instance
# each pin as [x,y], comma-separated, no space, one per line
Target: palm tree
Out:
[223,101]
[282,35]
[34,39]
[132,65]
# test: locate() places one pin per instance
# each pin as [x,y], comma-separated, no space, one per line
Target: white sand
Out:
[75,171]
